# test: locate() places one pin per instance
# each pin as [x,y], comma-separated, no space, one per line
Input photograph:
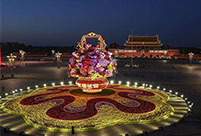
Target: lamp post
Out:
[22,56]
[53,51]
[11,60]
[58,56]
[190,55]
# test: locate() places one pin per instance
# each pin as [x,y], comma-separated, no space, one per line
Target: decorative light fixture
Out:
[58,56]
[170,91]
[21,90]
[61,83]
[36,86]
[11,60]
[119,82]
[44,85]
[70,82]
[111,82]
[127,83]
[28,87]
[53,84]
[158,87]
[6,94]
[190,55]
[22,56]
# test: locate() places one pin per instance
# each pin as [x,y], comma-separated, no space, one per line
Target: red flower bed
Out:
[58,111]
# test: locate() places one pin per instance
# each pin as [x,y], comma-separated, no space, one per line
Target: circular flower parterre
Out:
[92,62]
[62,107]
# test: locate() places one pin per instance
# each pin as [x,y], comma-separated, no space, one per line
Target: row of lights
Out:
[36,86]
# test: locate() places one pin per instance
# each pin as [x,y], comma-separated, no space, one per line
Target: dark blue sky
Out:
[63,22]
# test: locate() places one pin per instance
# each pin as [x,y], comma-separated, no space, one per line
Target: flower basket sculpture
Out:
[92,64]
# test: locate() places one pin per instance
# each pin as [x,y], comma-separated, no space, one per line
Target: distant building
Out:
[144,46]
[143,42]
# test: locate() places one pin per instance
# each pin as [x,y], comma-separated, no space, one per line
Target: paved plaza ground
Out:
[176,75]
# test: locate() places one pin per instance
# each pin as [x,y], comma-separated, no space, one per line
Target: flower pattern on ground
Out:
[57,107]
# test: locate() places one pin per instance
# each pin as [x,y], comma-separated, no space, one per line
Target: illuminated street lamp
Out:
[58,56]
[11,60]
[190,55]
[22,56]
[53,51]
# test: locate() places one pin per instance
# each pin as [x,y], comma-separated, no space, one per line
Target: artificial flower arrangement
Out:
[92,62]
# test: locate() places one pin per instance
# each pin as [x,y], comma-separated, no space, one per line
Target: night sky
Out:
[63,22]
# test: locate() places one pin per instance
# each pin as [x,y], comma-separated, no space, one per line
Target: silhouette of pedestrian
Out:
[73,131]
[2,76]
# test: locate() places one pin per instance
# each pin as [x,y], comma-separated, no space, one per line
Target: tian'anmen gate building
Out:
[144,46]
[143,42]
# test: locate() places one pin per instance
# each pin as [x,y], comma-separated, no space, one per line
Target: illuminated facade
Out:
[144,46]
[143,42]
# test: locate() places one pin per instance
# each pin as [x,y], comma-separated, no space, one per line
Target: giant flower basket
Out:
[92,64]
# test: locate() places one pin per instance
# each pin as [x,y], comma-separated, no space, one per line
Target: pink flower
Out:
[71,59]
[90,69]
[93,62]
[108,73]
[102,69]
[82,57]
[73,71]
[97,69]
[79,65]
[103,62]
[83,70]
[75,54]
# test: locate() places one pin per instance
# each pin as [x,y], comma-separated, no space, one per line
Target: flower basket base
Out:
[92,86]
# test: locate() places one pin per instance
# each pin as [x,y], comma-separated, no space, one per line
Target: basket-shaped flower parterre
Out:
[92,64]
